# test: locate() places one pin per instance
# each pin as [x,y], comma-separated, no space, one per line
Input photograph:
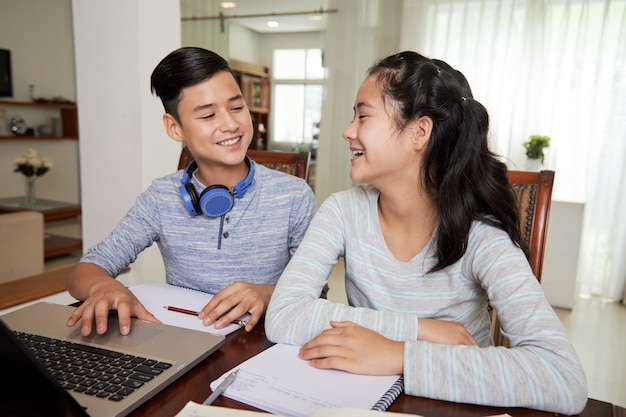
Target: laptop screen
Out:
[26,388]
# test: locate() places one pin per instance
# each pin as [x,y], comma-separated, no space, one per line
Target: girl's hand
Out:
[444,332]
[353,348]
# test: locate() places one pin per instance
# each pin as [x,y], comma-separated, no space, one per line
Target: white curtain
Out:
[548,67]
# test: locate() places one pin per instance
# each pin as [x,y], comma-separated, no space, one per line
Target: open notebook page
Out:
[155,297]
[276,380]
[192,409]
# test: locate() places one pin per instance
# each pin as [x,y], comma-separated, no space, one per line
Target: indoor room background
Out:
[541,67]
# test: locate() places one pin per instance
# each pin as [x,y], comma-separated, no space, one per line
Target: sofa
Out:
[21,245]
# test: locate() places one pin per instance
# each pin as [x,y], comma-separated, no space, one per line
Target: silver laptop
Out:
[144,362]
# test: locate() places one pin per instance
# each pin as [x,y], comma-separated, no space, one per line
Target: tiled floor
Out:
[597,330]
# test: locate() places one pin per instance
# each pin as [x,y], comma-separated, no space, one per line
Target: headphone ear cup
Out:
[216,200]
[190,198]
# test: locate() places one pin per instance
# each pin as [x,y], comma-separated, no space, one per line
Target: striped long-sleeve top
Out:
[540,370]
[253,242]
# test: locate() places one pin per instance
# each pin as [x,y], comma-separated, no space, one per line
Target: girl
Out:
[429,237]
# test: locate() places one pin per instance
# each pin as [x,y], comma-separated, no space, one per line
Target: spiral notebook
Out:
[279,382]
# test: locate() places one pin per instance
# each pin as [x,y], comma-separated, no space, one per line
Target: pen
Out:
[195,313]
[221,387]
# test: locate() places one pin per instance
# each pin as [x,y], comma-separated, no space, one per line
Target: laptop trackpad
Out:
[137,335]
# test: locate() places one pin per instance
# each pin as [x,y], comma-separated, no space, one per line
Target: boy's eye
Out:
[208,116]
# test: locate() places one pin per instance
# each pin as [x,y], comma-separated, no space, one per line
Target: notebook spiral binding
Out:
[390,396]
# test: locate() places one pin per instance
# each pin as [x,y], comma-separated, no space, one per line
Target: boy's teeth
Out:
[229,142]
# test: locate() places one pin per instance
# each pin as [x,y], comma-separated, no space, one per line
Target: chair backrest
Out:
[294,163]
[534,197]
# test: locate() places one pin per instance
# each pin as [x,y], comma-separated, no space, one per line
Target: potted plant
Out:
[535,146]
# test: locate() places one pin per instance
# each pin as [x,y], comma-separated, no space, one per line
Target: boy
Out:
[224,225]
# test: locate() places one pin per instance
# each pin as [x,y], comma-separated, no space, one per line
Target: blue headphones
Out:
[216,200]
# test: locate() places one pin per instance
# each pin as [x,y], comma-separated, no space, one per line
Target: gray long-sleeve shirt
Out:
[257,237]
[541,369]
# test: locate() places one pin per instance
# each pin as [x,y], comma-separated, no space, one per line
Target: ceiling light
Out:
[272,23]
[317,17]
[228,4]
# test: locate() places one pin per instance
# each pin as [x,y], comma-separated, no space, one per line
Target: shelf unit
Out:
[68,115]
[254,81]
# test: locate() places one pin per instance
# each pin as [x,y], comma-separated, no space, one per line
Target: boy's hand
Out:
[111,296]
[236,300]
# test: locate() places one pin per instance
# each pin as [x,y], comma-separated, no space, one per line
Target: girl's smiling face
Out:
[379,151]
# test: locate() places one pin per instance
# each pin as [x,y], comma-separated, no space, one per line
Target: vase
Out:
[533,164]
[30,196]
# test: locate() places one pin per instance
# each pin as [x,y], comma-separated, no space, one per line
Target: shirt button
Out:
[225,234]
[227,219]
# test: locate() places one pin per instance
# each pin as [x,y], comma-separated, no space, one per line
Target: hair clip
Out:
[463,98]
[400,56]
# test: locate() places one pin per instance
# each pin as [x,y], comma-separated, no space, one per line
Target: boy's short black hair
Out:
[182,68]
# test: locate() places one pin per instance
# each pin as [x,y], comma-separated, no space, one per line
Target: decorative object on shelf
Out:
[45,130]
[18,126]
[64,122]
[535,151]
[30,193]
[32,168]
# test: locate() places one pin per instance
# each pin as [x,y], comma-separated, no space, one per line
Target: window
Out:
[298,77]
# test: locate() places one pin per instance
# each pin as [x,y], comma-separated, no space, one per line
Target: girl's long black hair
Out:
[464,178]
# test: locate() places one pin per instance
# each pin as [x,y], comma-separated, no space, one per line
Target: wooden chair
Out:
[294,163]
[534,196]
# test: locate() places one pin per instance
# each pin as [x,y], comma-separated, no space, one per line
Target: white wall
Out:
[270,41]
[123,144]
[207,34]
[40,37]
[560,266]
[243,43]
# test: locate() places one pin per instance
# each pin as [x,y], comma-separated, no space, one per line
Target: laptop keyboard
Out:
[91,370]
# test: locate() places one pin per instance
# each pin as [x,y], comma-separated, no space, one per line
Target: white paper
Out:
[276,380]
[192,409]
[155,297]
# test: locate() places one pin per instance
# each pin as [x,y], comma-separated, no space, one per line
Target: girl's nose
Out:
[350,132]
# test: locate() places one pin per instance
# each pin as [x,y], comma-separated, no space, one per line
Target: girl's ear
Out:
[423,128]
[172,127]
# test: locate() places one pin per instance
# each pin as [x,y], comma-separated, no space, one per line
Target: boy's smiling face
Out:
[215,122]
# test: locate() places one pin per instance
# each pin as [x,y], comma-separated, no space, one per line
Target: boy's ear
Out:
[172,127]
[423,127]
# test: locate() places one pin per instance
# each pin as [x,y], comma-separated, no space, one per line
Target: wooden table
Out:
[31,288]
[54,245]
[240,346]
[51,209]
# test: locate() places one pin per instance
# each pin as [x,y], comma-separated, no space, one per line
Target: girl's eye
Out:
[208,116]
[238,108]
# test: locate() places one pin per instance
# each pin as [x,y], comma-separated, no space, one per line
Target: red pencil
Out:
[181,310]
[195,313]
